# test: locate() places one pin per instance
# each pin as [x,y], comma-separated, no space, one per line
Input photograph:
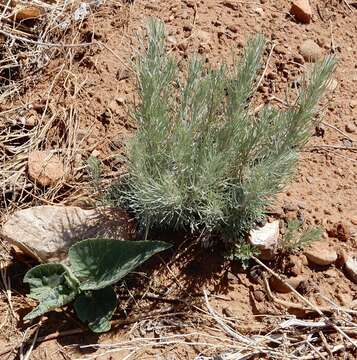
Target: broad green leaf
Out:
[98,263]
[50,285]
[96,308]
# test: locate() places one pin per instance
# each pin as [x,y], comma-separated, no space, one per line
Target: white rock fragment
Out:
[265,239]
[81,12]
[351,267]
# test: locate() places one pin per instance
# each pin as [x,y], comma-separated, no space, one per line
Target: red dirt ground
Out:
[100,89]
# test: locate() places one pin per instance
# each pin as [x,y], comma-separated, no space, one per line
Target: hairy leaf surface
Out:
[96,308]
[98,263]
[50,285]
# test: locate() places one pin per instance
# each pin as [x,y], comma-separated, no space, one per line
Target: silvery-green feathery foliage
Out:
[200,159]
[296,238]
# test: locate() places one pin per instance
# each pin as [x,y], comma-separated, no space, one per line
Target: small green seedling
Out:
[243,253]
[95,265]
[296,238]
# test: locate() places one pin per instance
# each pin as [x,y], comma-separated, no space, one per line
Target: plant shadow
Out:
[181,274]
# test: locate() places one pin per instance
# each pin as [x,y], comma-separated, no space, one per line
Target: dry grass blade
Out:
[7,288]
[224,326]
[292,338]
[307,302]
[29,46]
[29,351]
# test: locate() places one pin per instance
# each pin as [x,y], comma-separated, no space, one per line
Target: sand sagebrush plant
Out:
[200,159]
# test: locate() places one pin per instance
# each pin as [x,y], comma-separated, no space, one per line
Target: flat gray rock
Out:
[47,232]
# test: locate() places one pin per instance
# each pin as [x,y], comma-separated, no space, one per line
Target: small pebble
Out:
[289,206]
[172,40]
[233,28]
[281,287]
[340,231]
[350,128]
[231,4]
[120,100]
[259,11]
[280,49]
[319,253]
[310,51]
[227,311]
[31,121]
[45,168]
[259,295]
[302,11]
[299,59]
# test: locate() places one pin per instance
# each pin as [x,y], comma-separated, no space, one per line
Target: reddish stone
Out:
[301,10]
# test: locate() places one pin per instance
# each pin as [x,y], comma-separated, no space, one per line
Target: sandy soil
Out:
[94,88]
